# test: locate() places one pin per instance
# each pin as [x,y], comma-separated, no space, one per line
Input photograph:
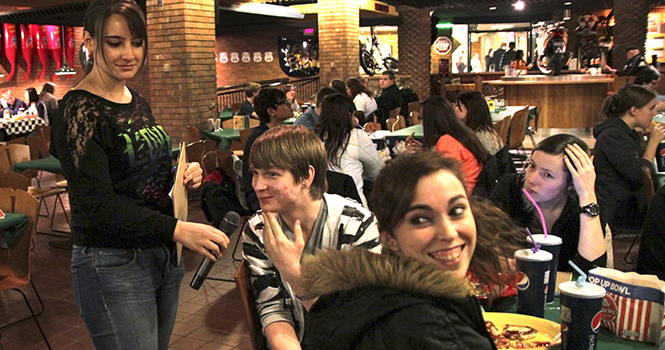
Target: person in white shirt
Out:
[362,97]
[350,150]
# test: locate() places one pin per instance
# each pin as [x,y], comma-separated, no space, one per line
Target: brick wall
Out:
[181,35]
[338,39]
[414,42]
[631,18]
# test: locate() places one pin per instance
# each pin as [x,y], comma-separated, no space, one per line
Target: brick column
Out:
[181,38]
[414,42]
[631,18]
[338,39]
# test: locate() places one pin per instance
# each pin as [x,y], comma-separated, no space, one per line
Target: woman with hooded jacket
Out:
[416,294]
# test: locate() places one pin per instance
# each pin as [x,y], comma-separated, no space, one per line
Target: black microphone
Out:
[228,226]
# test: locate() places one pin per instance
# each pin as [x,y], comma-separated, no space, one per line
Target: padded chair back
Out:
[14,180]
[17,141]
[394,112]
[478,83]
[194,151]
[414,107]
[502,128]
[343,185]
[15,262]
[243,283]
[18,153]
[254,122]
[218,158]
[193,134]
[5,164]
[244,135]
[518,128]
[414,118]
[44,131]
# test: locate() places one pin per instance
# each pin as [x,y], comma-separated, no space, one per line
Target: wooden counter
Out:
[566,101]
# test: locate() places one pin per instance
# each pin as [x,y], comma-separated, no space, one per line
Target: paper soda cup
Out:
[550,244]
[532,281]
[580,315]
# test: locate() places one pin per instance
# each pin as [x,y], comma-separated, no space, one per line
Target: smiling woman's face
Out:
[438,229]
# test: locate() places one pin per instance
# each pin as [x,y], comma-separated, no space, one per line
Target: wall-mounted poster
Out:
[299,58]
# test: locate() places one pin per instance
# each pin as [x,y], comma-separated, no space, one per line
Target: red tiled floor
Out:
[209,319]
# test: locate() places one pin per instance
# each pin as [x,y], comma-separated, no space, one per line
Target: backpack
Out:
[494,169]
[218,197]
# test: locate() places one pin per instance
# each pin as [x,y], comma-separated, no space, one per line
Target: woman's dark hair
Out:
[497,236]
[555,145]
[357,87]
[439,119]
[48,87]
[646,75]
[339,85]
[32,95]
[100,10]
[617,105]
[478,116]
[519,55]
[335,125]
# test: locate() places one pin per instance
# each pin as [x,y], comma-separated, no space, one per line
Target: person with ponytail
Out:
[619,153]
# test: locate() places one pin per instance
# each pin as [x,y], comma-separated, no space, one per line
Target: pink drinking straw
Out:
[540,212]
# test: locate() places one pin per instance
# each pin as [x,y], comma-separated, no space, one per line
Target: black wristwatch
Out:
[592,209]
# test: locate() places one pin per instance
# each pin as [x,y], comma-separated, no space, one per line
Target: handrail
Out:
[228,96]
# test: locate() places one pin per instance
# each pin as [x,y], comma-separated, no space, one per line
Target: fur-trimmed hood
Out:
[333,271]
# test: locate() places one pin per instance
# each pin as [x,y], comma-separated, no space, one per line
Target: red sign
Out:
[443,45]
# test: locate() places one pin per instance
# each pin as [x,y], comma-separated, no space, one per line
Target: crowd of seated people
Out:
[314,257]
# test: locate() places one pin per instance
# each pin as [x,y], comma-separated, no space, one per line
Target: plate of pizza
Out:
[515,331]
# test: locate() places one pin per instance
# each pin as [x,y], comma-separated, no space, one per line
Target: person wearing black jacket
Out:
[415,295]
[619,154]
[508,57]
[498,55]
[389,99]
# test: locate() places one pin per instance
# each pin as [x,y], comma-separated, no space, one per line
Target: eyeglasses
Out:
[284,102]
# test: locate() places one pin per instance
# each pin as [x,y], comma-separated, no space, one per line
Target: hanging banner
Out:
[41,46]
[10,47]
[26,48]
[53,40]
[299,58]
[70,50]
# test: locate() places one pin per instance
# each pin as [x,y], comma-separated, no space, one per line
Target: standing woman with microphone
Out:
[117,160]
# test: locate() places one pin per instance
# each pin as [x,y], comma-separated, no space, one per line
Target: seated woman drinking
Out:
[416,294]
[289,166]
[560,178]
[472,110]
[350,150]
[450,138]
[619,154]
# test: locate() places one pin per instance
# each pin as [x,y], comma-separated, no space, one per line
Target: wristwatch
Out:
[592,209]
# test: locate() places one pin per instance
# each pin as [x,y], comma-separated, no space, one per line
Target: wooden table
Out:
[566,101]
[20,125]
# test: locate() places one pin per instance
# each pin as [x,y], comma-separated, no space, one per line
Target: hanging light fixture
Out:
[65,70]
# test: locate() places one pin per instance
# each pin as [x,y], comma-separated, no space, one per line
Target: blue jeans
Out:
[128,297]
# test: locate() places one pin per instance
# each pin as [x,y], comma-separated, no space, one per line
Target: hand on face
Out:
[582,171]
[283,253]
[412,145]
[193,175]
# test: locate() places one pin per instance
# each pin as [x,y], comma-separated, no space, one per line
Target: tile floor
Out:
[208,319]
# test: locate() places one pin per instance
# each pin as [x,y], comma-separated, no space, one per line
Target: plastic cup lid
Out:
[528,254]
[589,291]
[550,240]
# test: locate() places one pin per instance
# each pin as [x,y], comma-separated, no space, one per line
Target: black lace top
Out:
[117,161]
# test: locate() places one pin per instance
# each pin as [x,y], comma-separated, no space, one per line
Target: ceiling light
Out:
[519,6]
[268,10]
[492,8]
[567,3]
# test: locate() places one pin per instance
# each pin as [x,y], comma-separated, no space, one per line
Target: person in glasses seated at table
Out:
[311,116]
[416,294]
[35,106]
[443,132]
[560,178]
[11,104]
[298,219]
[619,153]
[472,110]
[350,150]
[273,108]
[247,106]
